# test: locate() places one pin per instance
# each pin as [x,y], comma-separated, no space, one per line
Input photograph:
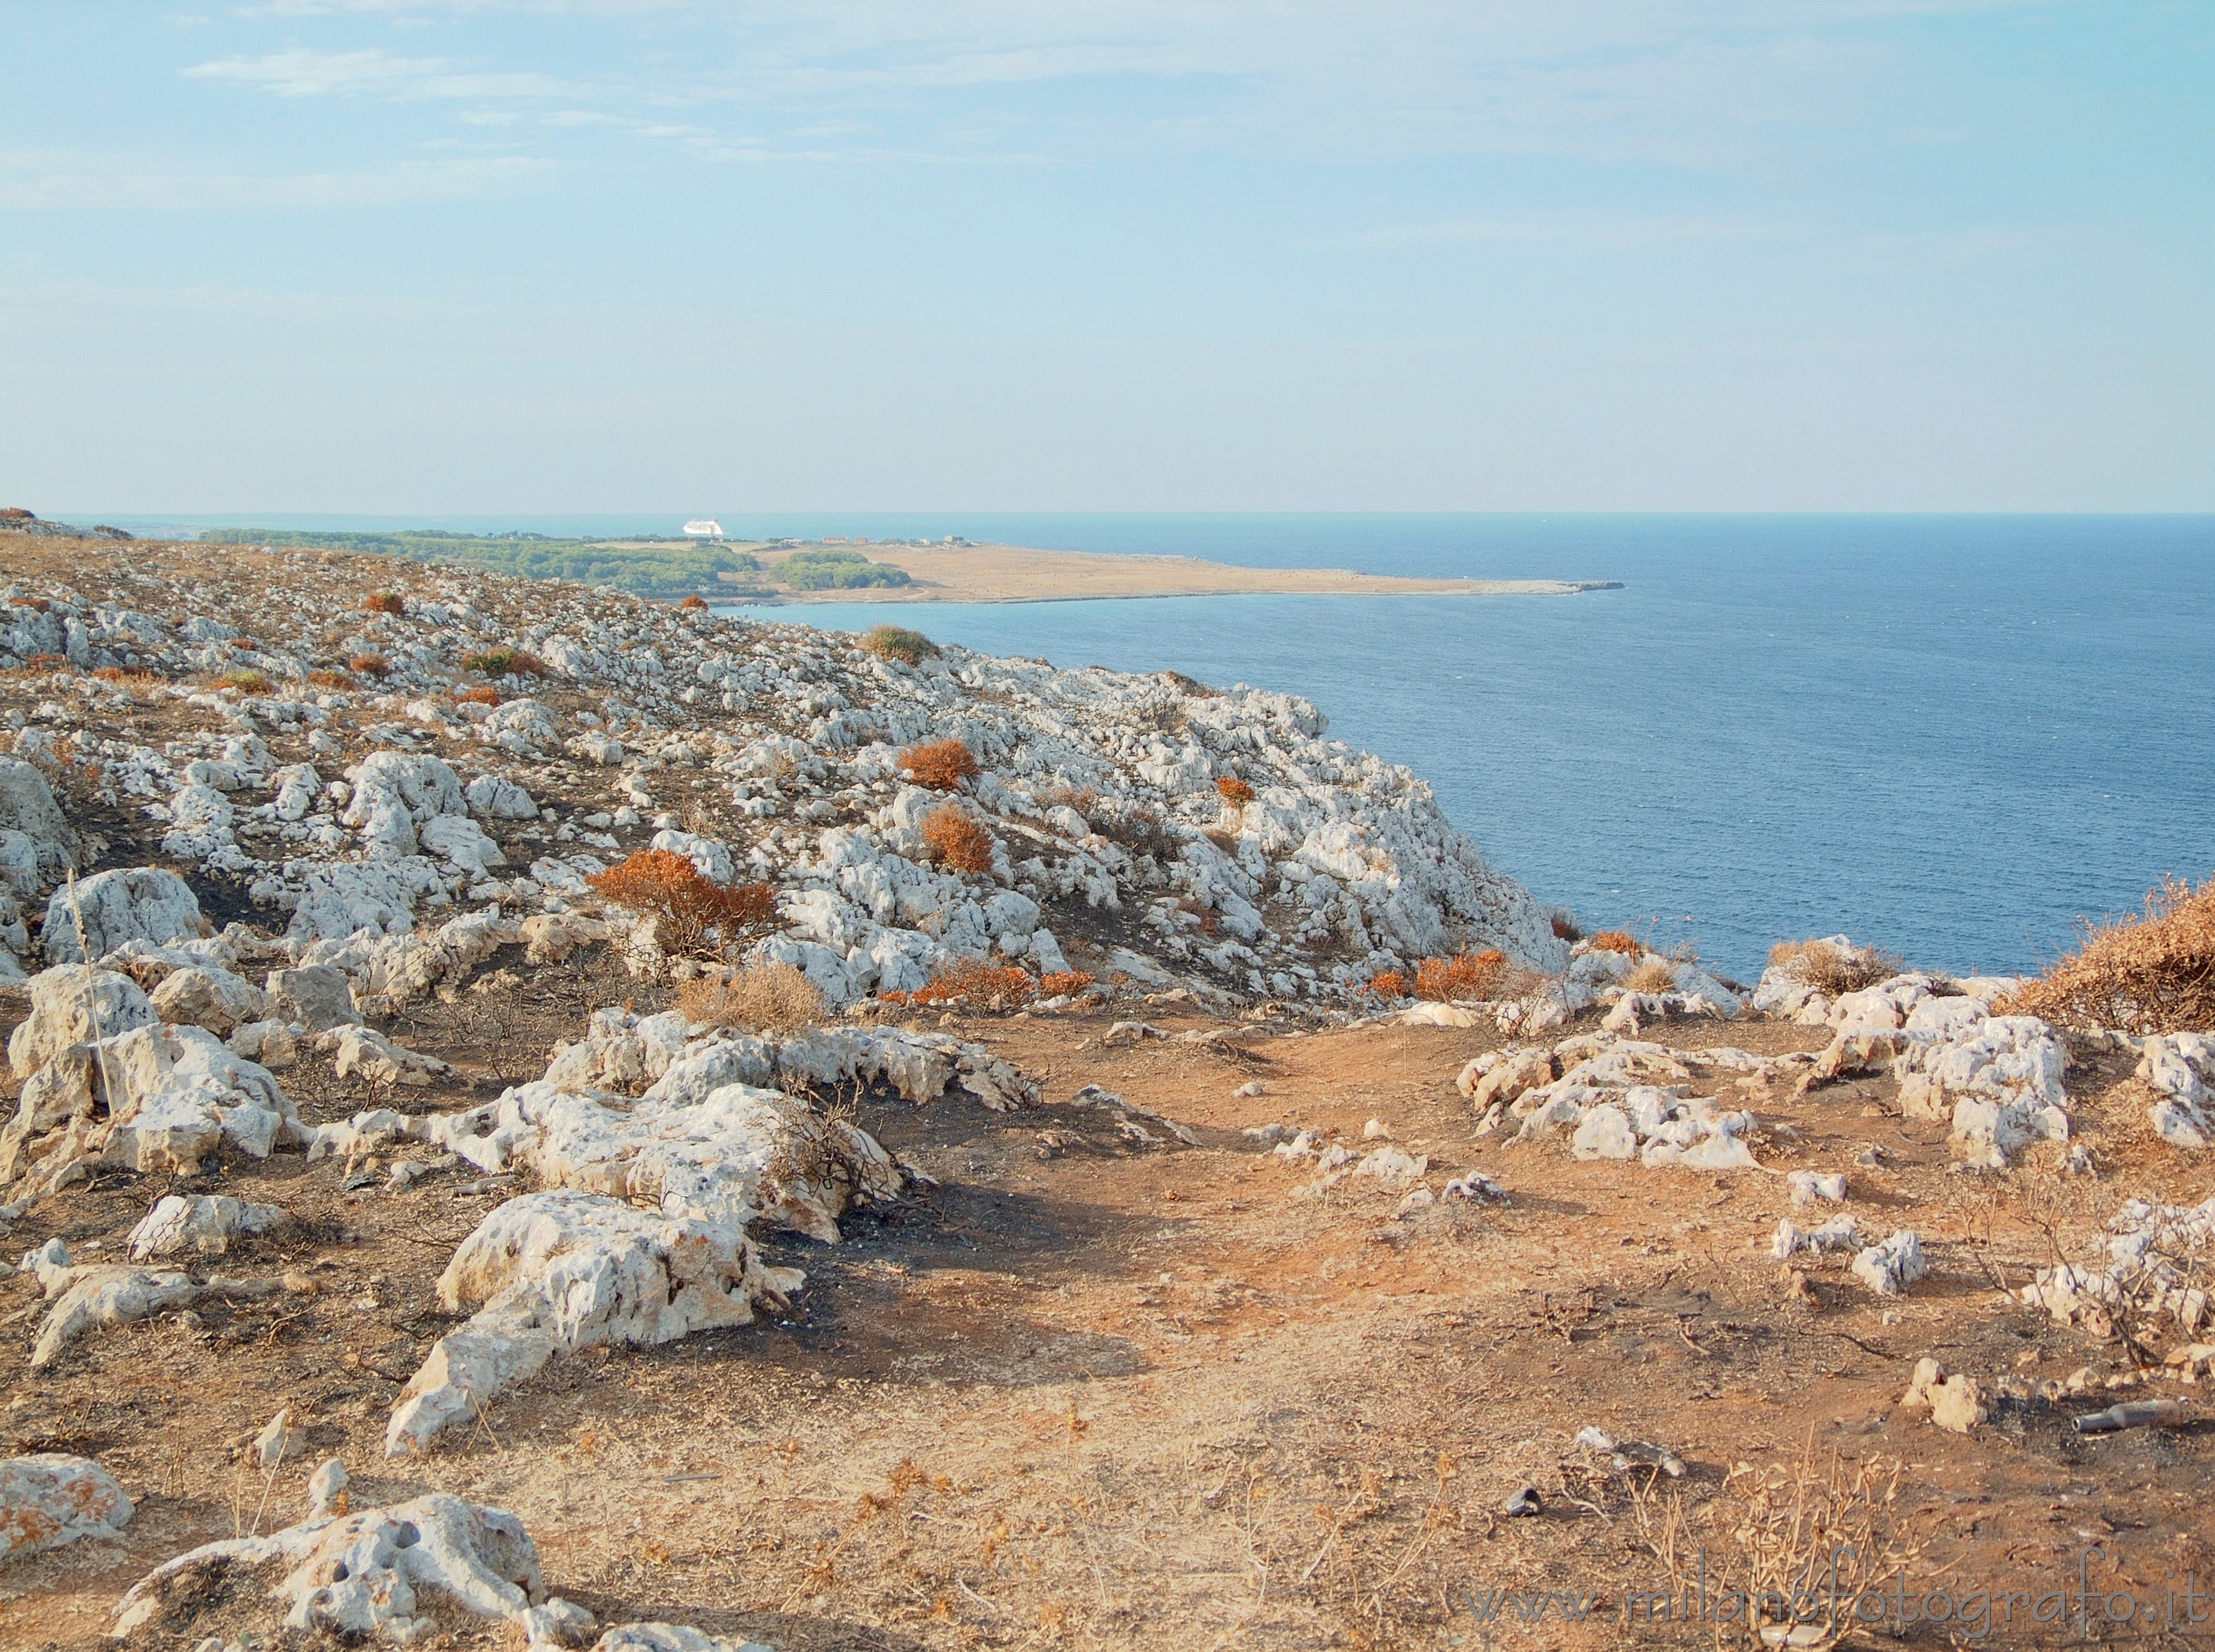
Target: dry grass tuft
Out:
[898,642]
[1824,968]
[124,673]
[1465,975]
[1622,941]
[957,839]
[1234,791]
[368,665]
[757,998]
[385,602]
[689,905]
[1655,975]
[482,694]
[506,661]
[330,679]
[2154,974]
[940,765]
[39,605]
[246,682]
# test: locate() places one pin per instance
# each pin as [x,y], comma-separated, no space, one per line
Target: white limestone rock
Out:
[206,996]
[201,1224]
[2180,1068]
[87,1297]
[496,798]
[394,794]
[136,903]
[40,845]
[387,1574]
[48,1499]
[670,1637]
[315,996]
[1889,1268]
[365,1052]
[554,1272]
[67,1009]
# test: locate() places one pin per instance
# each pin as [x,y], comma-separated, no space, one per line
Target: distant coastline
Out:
[967,572]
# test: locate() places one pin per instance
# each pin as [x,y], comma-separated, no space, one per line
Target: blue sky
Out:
[486,256]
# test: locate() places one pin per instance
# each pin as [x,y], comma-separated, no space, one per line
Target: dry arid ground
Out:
[1078,1396]
[1024,573]
[1082,1392]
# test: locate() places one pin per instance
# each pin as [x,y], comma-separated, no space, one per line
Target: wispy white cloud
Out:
[37,181]
[302,72]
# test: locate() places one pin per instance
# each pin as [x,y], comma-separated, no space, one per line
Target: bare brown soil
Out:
[1080,1395]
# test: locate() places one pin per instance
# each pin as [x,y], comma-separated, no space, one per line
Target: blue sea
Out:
[1950,735]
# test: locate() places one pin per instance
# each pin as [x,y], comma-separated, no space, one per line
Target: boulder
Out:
[48,1500]
[36,843]
[204,1224]
[395,794]
[66,1010]
[551,1273]
[137,903]
[1890,1267]
[495,798]
[86,1298]
[389,1574]
[362,1052]
[315,996]
[206,996]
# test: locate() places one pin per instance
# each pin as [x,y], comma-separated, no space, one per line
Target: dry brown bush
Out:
[385,602]
[1622,941]
[248,681]
[940,765]
[124,673]
[957,839]
[482,694]
[1826,968]
[1389,983]
[757,998]
[982,982]
[1234,791]
[898,642]
[1565,928]
[1655,975]
[2150,974]
[695,600]
[368,665]
[689,905]
[1063,983]
[330,679]
[1464,975]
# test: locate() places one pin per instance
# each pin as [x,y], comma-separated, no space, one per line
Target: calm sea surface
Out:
[1948,736]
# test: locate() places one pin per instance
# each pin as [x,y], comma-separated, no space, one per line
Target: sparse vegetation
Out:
[957,839]
[248,681]
[898,642]
[691,907]
[696,601]
[506,661]
[1389,983]
[834,569]
[757,997]
[2150,973]
[1620,941]
[984,984]
[1831,969]
[368,665]
[481,694]
[1655,975]
[1464,975]
[1063,983]
[330,679]
[1234,791]
[1565,929]
[654,570]
[124,674]
[939,764]
[385,602]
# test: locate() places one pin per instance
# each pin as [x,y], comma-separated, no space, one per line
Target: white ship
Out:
[705,528]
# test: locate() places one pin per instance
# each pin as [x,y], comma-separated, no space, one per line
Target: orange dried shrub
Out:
[940,765]
[124,673]
[1234,791]
[1565,928]
[482,694]
[1389,983]
[1063,983]
[689,904]
[1620,941]
[39,604]
[385,602]
[980,980]
[957,839]
[330,679]
[368,665]
[695,600]
[1464,975]
[2144,975]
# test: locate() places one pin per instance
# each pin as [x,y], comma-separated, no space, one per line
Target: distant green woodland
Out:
[674,569]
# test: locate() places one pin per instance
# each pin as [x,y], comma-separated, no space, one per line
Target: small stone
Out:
[1523,1502]
[327,1490]
[277,1440]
